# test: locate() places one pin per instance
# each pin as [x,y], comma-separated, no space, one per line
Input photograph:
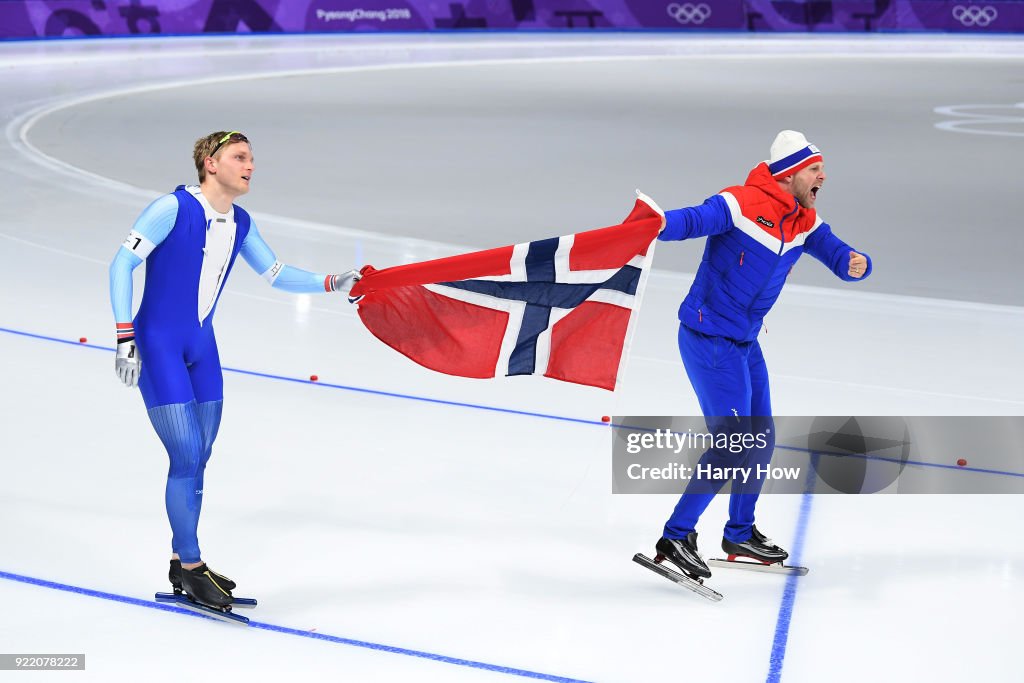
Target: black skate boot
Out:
[757,547]
[205,587]
[174,575]
[682,552]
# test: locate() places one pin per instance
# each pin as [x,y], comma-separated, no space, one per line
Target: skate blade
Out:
[683,580]
[185,602]
[756,566]
[245,603]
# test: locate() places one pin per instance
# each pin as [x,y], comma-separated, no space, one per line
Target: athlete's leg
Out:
[717,368]
[208,386]
[167,391]
[180,431]
[209,421]
[744,497]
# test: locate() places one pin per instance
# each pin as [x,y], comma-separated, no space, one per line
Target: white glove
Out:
[343,281]
[127,363]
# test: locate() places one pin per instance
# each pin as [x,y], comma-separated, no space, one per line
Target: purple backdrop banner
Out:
[67,18]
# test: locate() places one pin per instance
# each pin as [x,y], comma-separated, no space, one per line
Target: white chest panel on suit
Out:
[220,241]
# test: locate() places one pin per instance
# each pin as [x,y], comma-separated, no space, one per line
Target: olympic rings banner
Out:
[26,19]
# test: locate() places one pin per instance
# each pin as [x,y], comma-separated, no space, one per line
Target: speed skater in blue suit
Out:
[189,240]
[755,234]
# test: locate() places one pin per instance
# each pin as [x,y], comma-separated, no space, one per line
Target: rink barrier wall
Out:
[47,19]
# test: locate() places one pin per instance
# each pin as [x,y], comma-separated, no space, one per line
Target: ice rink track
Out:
[399,525]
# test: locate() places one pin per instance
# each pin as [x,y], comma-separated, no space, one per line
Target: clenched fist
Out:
[858,264]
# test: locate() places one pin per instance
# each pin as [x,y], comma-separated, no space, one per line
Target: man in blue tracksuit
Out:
[756,232]
[189,240]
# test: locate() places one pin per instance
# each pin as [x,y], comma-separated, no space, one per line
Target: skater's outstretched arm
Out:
[710,218]
[258,254]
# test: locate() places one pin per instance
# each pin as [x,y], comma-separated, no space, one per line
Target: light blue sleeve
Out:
[151,228]
[258,255]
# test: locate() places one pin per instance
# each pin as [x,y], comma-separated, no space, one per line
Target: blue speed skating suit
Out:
[189,249]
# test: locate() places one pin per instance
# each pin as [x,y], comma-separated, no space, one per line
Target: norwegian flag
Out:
[562,307]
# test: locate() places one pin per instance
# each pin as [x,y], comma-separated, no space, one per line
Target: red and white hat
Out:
[790,153]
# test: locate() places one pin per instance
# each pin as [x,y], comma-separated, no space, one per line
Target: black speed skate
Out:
[174,576]
[202,585]
[758,547]
[205,591]
[758,553]
[682,552]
